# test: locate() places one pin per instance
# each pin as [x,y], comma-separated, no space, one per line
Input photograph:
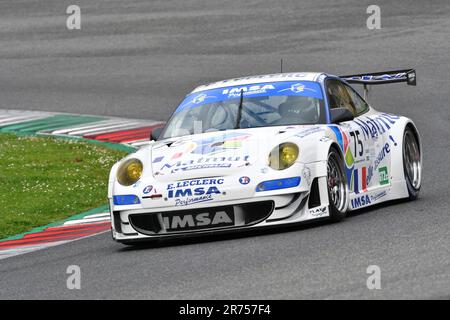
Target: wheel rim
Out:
[336,182]
[411,156]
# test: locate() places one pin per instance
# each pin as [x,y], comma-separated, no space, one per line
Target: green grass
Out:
[43,180]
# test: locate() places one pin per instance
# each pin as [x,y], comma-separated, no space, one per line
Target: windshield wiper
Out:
[239,114]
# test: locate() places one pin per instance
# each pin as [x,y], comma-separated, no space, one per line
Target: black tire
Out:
[412,166]
[337,207]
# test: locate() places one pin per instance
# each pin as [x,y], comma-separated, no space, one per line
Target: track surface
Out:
[138,59]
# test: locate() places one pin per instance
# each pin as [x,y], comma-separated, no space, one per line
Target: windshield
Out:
[253,106]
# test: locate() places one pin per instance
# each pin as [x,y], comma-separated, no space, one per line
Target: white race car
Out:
[266,151]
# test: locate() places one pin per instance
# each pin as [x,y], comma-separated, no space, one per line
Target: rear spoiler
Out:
[407,75]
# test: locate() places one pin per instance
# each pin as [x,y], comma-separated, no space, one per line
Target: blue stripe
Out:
[338,136]
[281,88]
[355,179]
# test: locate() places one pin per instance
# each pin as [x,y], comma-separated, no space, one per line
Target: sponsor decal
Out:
[189,192]
[318,212]
[383,77]
[384,177]
[378,196]
[193,191]
[298,87]
[203,166]
[360,201]
[325,139]
[349,160]
[309,131]
[343,141]
[187,148]
[203,163]
[244,180]
[195,182]
[207,146]
[147,189]
[158,159]
[381,155]
[247,90]
[198,221]
[393,141]
[193,200]
[220,143]
[199,99]
[374,126]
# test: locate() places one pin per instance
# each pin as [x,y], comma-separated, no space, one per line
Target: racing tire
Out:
[336,186]
[412,165]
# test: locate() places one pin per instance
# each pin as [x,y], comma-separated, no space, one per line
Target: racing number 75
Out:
[358,142]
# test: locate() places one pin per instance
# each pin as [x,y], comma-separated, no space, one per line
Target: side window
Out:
[360,105]
[338,96]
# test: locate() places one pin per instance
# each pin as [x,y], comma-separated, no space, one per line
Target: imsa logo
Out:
[247,90]
[361,201]
[188,192]
[198,221]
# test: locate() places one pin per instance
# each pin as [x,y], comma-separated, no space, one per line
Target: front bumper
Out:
[151,218]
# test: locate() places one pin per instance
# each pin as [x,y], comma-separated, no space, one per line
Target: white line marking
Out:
[97,215]
[26,249]
[85,221]
[78,127]
[105,128]
[19,119]
[50,244]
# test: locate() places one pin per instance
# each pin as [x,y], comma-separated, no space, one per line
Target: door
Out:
[358,150]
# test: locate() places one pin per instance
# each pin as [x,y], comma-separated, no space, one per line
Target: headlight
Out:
[283,156]
[129,172]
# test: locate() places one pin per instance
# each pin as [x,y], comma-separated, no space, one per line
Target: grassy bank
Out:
[43,180]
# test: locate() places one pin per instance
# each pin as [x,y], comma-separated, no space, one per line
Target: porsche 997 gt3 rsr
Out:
[266,151]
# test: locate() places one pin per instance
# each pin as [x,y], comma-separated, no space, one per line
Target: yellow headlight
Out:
[129,172]
[283,156]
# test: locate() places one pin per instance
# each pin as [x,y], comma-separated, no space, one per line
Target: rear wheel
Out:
[337,186]
[412,165]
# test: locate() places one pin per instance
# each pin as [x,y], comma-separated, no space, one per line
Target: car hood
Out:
[203,155]
[216,153]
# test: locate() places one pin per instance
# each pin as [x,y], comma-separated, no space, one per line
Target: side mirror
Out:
[154,135]
[340,115]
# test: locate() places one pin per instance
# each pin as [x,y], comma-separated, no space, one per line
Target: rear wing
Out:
[385,77]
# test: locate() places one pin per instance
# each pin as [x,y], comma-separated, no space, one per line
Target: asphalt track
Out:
[137,59]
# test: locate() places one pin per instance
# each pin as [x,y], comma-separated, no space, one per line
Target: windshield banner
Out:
[282,88]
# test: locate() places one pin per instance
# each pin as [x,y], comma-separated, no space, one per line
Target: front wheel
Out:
[337,186]
[412,165]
